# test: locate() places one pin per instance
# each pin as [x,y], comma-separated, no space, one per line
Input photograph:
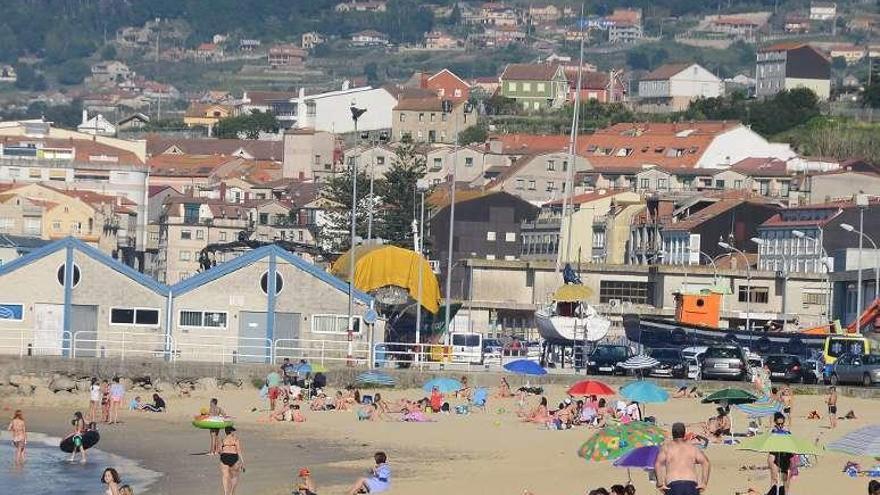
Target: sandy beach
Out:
[488,452]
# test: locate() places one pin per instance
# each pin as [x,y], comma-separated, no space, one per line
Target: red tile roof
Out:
[531,143]
[85,150]
[761,167]
[589,80]
[529,72]
[260,150]
[186,165]
[666,71]
[696,219]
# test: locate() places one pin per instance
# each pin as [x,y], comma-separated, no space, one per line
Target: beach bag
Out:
[367,400]
[462,409]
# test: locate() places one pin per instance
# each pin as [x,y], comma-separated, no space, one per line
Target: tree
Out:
[9,48]
[108,52]
[838,63]
[29,79]
[398,194]
[246,126]
[871,95]
[454,18]
[473,134]
[371,72]
[334,232]
[72,72]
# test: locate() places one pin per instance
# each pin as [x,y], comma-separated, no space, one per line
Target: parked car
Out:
[786,368]
[607,358]
[693,368]
[492,349]
[814,370]
[851,368]
[724,362]
[672,363]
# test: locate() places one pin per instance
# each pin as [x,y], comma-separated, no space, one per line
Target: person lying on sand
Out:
[684,393]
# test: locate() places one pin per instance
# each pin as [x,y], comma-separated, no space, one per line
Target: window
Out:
[784,188]
[759,295]
[206,319]
[438,164]
[738,184]
[551,186]
[134,316]
[184,256]
[813,299]
[433,116]
[264,282]
[719,184]
[541,87]
[526,87]
[661,184]
[186,234]
[564,165]
[457,93]
[490,257]
[511,86]
[520,184]
[624,290]
[644,183]
[380,160]
[402,117]
[532,185]
[76,273]
[764,187]
[6,224]
[421,117]
[222,236]
[334,324]
[200,234]
[551,165]
[490,236]
[599,239]
[56,226]
[264,218]
[469,161]
[510,237]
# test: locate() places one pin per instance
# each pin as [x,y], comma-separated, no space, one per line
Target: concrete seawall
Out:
[171,372]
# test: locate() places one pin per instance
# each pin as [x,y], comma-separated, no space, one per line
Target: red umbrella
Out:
[590,387]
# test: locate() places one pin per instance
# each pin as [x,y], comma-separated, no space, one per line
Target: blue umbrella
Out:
[525,367]
[444,385]
[644,392]
[640,458]
[765,406]
[376,378]
[864,441]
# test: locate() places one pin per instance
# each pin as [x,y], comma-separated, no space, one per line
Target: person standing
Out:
[831,400]
[273,381]
[105,401]
[79,429]
[117,393]
[676,463]
[214,410]
[94,400]
[19,435]
[231,461]
[787,400]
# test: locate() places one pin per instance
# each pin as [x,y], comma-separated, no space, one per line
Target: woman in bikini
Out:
[110,477]
[504,389]
[231,461]
[19,435]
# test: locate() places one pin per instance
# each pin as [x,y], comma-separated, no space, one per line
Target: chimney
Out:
[223,191]
[85,117]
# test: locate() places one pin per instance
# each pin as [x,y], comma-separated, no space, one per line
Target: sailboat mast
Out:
[568,198]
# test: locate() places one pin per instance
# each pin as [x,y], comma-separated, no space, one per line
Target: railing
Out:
[24,343]
[321,351]
[223,349]
[121,344]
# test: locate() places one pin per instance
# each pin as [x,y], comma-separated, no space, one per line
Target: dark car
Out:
[607,358]
[786,368]
[724,362]
[672,363]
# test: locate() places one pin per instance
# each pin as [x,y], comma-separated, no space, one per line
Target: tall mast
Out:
[568,198]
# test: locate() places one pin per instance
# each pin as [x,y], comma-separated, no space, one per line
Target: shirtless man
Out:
[675,465]
[787,399]
[832,406]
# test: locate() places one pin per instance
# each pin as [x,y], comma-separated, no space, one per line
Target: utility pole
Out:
[447,105]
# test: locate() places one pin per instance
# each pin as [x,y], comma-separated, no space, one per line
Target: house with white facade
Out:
[331,111]
[675,86]
[823,11]
[97,125]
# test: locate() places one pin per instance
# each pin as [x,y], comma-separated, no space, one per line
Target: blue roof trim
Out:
[89,251]
[325,276]
[220,270]
[251,257]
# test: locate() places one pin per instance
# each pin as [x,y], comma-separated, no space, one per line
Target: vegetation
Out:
[786,110]
[473,134]
[835,138]
[62,115]
[247,126]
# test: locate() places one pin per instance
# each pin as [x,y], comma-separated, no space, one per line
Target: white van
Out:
[467,347]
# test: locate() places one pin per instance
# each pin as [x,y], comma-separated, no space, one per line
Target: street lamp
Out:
[849,228]
[730,247]
[355,115]
[422,187]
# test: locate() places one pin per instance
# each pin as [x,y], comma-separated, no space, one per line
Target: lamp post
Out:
[849,228]
[447,109]
[730,247]
[422,187]
[355,115]
[819,242]
[374,141]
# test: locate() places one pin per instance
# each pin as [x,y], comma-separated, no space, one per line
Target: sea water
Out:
[46,469]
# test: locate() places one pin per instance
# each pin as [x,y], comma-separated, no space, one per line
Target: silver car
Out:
[850,368]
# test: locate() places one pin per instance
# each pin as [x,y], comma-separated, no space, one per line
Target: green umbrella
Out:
[730,396]
[780,442]
[613,441]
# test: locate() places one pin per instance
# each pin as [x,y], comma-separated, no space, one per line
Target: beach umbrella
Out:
[780,442]
[730,396]
[376,378]
[640,458]
[444,385]
[864,441]
[644,392]
[765,406]
[572,293]
[586,388]
[639,362]
[613,441]
[525,367]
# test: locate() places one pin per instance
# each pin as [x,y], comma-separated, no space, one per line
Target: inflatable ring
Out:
[89,439]
[211,422]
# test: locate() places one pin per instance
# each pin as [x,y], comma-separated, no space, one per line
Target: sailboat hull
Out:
[567,329]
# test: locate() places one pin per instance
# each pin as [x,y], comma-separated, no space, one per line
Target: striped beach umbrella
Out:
[376,378]
[864,441]
[764,406]
[639,362]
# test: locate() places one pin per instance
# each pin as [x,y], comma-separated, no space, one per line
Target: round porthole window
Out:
[700,303]
[76,274]
[264,282]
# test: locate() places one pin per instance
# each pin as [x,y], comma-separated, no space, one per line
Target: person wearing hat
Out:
[306,483]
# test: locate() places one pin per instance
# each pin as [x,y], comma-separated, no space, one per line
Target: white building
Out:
[677,85]
[97,125]
[823,11]
[331,111]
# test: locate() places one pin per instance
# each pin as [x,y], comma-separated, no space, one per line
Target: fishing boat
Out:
[568,318]
[696,323]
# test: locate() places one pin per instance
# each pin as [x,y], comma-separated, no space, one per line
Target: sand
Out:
[482,453]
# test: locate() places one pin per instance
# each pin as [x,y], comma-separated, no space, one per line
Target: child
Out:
[298,416]
[306,483]
[79,429]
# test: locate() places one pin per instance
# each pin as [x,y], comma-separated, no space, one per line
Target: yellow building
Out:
[206,115]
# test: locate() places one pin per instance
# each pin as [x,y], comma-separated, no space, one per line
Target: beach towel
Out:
[416,417]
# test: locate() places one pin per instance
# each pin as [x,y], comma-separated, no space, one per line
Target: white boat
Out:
[568,322]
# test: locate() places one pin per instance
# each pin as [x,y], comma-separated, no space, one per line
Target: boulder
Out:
[84,384]
[62,383]
[206,383]
[228,384]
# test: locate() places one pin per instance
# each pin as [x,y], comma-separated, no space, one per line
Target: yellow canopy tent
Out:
[572,293]
[378,266]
